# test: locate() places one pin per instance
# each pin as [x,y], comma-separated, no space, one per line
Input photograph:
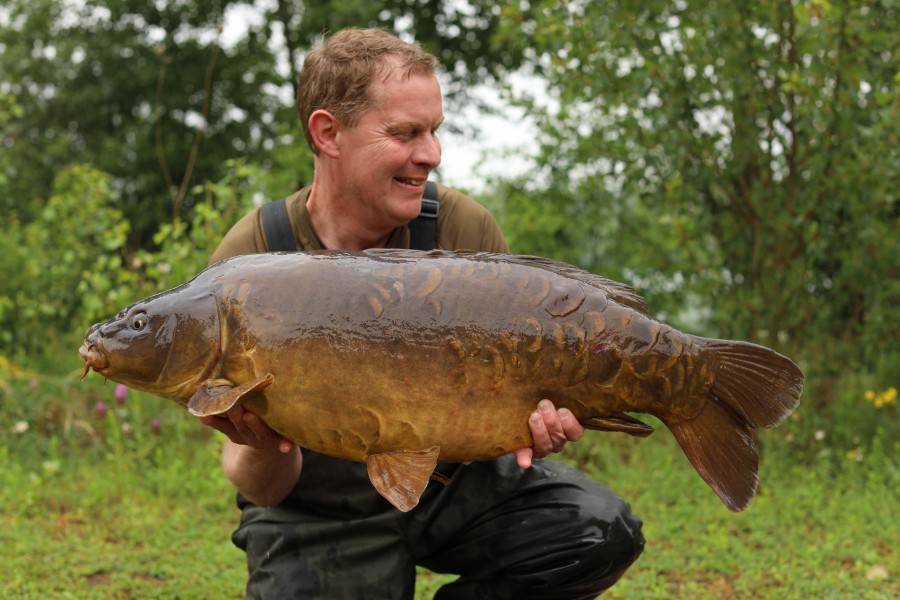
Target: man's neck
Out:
[335,224]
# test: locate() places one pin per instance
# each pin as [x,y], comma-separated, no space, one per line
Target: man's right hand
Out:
[261,463]
[244,428]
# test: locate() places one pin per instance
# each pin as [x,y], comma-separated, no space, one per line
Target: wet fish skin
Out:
[402,359]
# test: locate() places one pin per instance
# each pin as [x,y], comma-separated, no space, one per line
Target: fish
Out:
[403,359]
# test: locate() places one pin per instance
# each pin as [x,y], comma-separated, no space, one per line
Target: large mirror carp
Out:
[402,359]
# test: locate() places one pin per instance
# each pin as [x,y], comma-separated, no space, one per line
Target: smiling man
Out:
[312,525]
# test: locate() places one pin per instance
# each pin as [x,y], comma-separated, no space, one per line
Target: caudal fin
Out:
[753,387]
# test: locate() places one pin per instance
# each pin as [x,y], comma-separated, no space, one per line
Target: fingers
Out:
[247,429]
[523,457]
[546,429]
[220,424]
[573,430]
[550,429]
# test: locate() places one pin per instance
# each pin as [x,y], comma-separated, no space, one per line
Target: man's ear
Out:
[323,127]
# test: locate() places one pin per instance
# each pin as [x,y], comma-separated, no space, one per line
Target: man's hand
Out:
[261,463]
[244,428]
[551,429]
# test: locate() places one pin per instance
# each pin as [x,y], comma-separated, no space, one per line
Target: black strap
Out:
[277,227]
[423,229]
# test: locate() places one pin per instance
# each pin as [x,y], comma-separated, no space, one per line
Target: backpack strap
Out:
[277,227]
[423,229]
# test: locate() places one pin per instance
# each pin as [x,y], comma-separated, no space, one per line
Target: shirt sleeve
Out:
[464,224]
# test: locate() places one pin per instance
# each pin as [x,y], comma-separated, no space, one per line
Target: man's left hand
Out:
[551,429]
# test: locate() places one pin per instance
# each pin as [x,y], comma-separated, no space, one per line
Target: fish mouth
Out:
[93,359]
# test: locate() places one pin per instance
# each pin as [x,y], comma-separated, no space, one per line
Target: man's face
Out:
[386,158]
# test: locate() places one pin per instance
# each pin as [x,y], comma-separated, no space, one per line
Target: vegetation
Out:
[742,156]
[737,163]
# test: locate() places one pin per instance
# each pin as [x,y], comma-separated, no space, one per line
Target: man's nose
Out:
[428,151]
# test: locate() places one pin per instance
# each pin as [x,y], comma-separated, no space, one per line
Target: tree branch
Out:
[198,136]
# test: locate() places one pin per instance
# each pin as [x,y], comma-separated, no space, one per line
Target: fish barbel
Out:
[402,359]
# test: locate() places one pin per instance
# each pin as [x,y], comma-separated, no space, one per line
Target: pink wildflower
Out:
[121,394]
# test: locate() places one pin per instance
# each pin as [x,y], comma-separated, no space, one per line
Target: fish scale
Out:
[403,359]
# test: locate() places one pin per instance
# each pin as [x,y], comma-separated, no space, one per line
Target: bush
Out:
[72,266]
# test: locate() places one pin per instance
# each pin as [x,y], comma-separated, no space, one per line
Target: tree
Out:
[152,94]
[745,153]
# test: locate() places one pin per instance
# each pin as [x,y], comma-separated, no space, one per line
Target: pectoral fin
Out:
[618,422]
[401,476]
[214,399]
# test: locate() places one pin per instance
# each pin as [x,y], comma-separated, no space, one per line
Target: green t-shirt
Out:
[462,224]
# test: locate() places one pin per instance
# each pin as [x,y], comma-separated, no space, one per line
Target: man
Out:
[312,525]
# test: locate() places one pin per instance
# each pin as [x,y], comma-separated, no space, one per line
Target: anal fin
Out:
[618,422]
[215,399]
[401,476]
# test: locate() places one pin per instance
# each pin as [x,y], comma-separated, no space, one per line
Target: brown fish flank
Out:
[403,359]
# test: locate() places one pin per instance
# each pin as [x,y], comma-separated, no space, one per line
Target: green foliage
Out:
[743,155]
[43,263]
[130,88]
[70,266]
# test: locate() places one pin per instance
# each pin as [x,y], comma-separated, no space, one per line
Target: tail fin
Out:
[753,387]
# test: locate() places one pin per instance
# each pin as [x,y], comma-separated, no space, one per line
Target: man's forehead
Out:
[381,88]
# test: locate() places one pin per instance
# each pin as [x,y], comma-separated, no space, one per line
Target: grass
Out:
[115,505]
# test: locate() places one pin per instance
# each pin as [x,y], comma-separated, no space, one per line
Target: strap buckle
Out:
[429,208]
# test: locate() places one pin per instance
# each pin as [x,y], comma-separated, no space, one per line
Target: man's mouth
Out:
[411,181]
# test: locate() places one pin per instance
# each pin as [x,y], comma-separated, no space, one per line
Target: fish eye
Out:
[139,321]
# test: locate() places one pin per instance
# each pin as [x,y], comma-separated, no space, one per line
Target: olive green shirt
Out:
[462,224]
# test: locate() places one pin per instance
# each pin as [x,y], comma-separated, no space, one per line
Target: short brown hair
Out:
[337,75]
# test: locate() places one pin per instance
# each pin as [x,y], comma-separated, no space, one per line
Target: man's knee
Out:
[585,547]
[606,540]
[617,542]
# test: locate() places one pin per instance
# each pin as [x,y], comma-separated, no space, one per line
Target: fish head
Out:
[166,344]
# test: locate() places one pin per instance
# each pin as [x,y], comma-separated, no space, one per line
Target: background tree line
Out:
[736,162]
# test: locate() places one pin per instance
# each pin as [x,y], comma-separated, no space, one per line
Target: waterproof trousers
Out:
[547,533]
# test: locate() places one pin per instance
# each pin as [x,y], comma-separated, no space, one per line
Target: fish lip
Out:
[93,357]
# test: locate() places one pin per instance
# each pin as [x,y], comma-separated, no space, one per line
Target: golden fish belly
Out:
[470,395]
[352,407]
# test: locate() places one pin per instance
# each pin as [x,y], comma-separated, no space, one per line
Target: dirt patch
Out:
[99,578]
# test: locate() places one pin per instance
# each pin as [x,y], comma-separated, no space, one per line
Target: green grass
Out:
[106,506]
